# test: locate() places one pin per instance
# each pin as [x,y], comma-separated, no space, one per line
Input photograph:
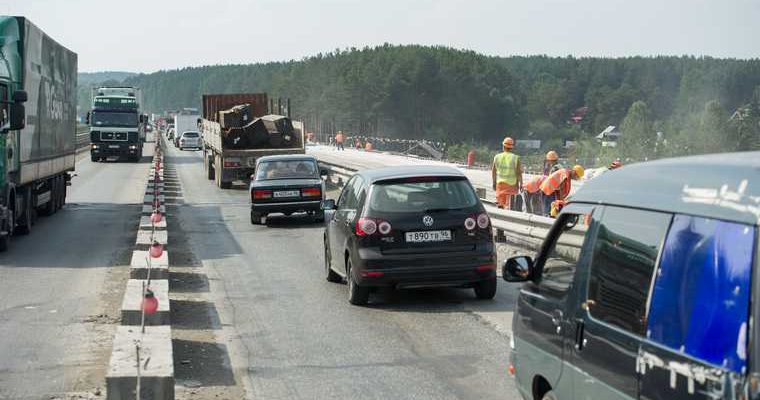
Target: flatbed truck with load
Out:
[38,98]
[234,139]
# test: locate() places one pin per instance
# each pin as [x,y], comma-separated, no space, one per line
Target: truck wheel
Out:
[24,226]
[93,159]
[210,169]
[4,243]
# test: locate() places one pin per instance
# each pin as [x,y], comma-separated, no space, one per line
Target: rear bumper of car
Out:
[455,269]
[287,207]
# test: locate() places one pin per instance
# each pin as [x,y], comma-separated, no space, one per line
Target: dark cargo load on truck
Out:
[236,117]
[213,103]
[267,131]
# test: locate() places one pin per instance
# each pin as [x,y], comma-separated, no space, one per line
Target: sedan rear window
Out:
[190,135]
[421,195]
[290,169]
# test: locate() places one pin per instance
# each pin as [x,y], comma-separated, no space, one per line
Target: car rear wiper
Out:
[432,210]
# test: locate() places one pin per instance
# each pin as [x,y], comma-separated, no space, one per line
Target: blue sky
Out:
[145,36]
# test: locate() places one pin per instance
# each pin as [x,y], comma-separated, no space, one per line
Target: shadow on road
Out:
[194,315]
[199,363]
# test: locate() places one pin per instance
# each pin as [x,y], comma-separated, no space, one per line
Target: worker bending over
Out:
[557,185]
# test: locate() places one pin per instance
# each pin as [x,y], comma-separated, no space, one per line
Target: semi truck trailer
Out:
[225,162]
[38,97]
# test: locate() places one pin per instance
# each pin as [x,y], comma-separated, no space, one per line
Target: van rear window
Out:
[700,300]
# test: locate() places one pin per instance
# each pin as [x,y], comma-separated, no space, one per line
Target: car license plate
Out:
[113,146]
[428,236]
[287,193]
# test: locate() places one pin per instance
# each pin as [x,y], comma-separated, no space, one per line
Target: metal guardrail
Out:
[83,136]
[515,224]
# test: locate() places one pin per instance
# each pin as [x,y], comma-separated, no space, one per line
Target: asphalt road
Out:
[286,333]
[59,289]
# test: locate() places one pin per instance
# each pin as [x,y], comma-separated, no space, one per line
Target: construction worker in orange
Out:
[506,173]
[557,185]
[339,138]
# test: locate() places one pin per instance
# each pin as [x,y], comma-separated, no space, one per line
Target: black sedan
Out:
[286,184]
[409,227]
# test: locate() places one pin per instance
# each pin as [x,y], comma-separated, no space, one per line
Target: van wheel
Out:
[357,295]
[549,396]
[332,276]
[486,290]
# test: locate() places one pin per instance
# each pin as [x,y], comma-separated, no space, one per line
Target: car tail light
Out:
[231,164]
[483,221]
[470,223]
[372,274]
[366,227]
[384,227]
[485,267]
[261,194]
[311,192]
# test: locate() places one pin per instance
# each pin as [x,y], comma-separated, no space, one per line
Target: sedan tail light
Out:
[261,194]
[231,164]
[384,227]
[366,227]
[311,192]
[470,223]
[483,221]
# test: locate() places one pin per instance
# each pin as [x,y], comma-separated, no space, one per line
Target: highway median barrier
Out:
[131,306]
[142,360]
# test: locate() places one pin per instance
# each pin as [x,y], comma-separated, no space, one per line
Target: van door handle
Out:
[580,340]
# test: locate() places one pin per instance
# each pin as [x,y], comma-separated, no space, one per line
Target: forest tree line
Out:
[663,106]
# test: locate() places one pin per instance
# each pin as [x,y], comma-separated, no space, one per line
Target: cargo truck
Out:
[117,129]
[226,161]
[38,98]
[185,121]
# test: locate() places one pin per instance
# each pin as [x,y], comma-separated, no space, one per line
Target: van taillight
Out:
[261,194]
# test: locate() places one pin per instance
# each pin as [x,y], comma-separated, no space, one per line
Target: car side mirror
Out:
[517,269]
[323,172]
[18,117]
[328,204]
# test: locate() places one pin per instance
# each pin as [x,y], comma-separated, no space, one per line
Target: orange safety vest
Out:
[533,185]
[559,182]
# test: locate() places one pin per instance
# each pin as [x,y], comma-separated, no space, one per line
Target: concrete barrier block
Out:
[156,362]
[146,237]
[138,267]
[147,209]
[131,306]
[146,224]
[148,199]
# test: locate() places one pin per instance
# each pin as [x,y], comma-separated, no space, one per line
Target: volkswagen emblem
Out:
[427,220]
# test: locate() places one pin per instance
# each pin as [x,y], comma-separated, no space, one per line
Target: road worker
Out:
[339,140]
[557,185]
[550,163]
[506,174]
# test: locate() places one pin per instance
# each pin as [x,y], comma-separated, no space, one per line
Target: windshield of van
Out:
[289,169]
[425,194]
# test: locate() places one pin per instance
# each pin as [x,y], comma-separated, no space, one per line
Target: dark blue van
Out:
[646,287]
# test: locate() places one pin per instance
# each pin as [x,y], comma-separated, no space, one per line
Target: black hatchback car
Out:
[409,227]
[286,184]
